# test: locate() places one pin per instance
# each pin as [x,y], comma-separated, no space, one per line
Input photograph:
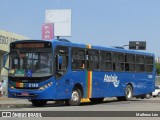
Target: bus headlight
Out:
[41,88]
[12,87]
[46,86]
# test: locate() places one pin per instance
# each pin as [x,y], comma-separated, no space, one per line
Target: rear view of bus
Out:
[30,72]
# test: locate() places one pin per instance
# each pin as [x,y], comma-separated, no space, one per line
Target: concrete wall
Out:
[5,39]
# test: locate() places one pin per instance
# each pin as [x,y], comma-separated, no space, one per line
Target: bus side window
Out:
[140,63]
[129,62]
[78,59]
[118,61]
[92,59]
[105,61]
[61,61]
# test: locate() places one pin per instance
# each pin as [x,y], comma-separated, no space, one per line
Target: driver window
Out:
[61,60]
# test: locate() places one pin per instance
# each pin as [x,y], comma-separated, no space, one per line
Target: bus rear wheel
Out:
[96,100]
[38,103]
[148,96]
[75,99]
[128,93]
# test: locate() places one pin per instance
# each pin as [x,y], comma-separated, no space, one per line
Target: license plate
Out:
[25,94]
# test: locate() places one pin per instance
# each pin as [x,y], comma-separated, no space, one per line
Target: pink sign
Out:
[47,31]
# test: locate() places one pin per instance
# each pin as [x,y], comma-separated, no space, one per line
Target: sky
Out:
[97,22]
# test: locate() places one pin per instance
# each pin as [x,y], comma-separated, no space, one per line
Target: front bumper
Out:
[32,94]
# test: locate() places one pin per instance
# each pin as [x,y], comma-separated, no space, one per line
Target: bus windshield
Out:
[30,64]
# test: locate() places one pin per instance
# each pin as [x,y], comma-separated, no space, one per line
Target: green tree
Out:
[158,68]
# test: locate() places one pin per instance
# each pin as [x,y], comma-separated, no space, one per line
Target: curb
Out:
[14,105]
[4,98]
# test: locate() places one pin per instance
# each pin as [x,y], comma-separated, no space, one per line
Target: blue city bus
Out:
[41,71]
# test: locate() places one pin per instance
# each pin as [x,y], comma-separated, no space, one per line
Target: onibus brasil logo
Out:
[112,78]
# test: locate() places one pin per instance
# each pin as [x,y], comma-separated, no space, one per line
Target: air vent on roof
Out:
[63,40]
[118,47]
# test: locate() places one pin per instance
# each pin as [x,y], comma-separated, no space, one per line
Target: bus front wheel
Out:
[38,103]
[75,98]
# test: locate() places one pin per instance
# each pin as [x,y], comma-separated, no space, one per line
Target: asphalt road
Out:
[111,104]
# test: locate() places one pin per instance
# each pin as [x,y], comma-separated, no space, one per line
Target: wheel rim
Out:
[75,96]
[128,92]
[148,96]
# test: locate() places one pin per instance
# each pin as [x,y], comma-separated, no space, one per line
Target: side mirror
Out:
[5,57]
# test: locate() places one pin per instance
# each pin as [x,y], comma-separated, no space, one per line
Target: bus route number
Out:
[33,85]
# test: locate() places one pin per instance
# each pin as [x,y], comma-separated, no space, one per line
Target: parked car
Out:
[147,96]
[156,93]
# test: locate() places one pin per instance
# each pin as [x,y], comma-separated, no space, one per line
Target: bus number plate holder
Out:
[25,94]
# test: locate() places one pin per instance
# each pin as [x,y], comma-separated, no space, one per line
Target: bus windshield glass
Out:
[30,64]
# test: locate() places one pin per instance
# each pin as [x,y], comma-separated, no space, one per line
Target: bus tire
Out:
[75,99]
[128,93]
[148,96]
[142,97]
[38,103]
[96,100]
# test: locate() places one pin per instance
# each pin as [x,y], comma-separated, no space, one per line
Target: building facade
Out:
[158,59]
[5,39]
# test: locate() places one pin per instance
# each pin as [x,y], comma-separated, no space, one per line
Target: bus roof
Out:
[114,49]
[68,43]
